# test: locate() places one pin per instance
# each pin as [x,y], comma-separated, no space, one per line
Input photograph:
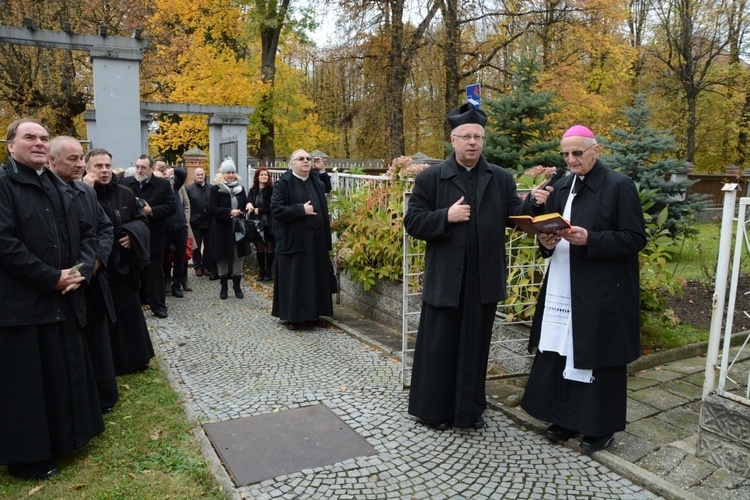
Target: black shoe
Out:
[589,443]
[556,433]
[213,277]
[439,426]
[37,471]
[176,292]
[108,409]
[479,423]
[161,313]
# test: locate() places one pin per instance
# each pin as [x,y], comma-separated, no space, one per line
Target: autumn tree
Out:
[692,35]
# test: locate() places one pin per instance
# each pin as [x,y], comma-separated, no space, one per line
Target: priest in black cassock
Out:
[587,322]
[49,402]
[460,207]
[303,280]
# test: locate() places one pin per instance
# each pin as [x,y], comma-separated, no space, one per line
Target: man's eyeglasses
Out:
[303,158]
[468,137]
[577,153]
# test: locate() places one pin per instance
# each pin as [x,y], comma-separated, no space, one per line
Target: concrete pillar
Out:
[118,116]
[226,127]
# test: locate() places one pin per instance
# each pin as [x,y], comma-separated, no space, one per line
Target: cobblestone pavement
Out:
[231,359]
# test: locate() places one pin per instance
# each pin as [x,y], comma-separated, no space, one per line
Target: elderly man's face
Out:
[142,169]
[199,175]
[30,146]
[101,166]
[301,163]
[468,141]
[575,145]
[68,161]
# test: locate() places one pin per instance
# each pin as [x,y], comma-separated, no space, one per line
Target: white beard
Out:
[140,177]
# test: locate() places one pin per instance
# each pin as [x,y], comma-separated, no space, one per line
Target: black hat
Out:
[467,114]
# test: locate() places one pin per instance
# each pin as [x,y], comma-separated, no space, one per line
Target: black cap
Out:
[467,114]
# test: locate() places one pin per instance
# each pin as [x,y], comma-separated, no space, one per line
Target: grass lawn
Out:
[147,451]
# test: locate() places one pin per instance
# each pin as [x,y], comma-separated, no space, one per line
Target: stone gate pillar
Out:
[224,127]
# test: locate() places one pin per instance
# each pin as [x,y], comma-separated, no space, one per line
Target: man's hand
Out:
[147,208]
[309,210]
[458,212]
[540,195]
[89,179]
[68,281]
[125,241]
[575,235]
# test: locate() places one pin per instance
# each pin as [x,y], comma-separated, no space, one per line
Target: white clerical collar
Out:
[303,179]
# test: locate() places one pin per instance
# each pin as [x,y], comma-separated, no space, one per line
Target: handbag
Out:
[248,230]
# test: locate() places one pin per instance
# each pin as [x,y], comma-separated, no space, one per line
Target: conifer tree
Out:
[518,135]
[644,154]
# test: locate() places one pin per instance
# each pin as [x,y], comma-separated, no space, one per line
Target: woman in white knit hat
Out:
[227,202]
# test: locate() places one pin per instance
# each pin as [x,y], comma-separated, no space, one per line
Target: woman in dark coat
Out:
[131,345]
[303,281]
[260,199]
[227,202]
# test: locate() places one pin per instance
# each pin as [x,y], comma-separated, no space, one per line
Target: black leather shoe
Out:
[160,314]
[176,292]
[107,409]
[557,433]
[37,471]
[589,443]
[439,426]
[479,423]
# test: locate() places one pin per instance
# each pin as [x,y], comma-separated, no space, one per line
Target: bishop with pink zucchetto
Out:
[586,327]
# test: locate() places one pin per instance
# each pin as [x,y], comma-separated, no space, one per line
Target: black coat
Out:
[290,216]
[261,199]
[31,253]
[604,274]
[435,190]
[198,196]
[158,193]
[222,224]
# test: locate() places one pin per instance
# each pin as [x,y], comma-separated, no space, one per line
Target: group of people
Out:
[586,324]
[81,249]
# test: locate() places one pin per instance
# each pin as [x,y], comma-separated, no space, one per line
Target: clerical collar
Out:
[303,179]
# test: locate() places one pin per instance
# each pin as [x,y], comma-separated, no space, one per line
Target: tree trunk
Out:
[452,48]
[394,99]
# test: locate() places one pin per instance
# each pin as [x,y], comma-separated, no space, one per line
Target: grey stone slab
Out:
[637,410]
[660,374]
[682,417]
[657,431]
[684,389]
[687,366]
[638,383]
[659,398]
[663,461]
[631,447]
[265,446]
[690,472]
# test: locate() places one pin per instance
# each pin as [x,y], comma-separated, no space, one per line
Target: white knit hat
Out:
[228,165]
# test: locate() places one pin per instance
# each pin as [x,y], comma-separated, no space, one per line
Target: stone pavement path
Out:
[230,359]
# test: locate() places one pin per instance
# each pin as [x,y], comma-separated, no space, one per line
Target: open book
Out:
[547,223]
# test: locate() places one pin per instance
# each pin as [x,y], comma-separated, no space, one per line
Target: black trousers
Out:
[202,253]
[152,283]
[175,244]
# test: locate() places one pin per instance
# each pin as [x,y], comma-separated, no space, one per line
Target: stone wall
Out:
[724,434]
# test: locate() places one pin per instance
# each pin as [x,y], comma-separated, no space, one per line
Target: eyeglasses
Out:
[303,158]
[468,137]
[577,153]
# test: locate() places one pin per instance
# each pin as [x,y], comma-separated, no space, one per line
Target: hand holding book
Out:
[547,223]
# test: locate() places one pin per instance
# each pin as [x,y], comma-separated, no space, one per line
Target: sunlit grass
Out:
[147,451]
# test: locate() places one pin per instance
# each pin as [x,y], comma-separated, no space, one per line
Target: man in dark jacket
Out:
[587,323]
[159,204]
[176,235]
[66,161]
[200,222]
[460,208]
[50,403]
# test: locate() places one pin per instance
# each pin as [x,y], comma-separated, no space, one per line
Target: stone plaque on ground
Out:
[266,446]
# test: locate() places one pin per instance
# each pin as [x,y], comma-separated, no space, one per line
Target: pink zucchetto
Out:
[578,131]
